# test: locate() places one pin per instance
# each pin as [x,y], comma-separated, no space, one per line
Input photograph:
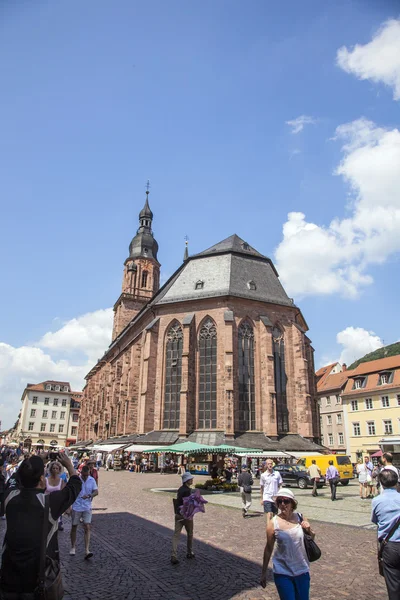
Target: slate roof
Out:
[159,437]
[226,270]
[232,243]
[208,438]
[297,443]
[290,443]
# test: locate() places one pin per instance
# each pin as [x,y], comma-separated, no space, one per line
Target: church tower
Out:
[141,277]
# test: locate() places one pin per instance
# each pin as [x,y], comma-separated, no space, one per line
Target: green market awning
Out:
[183,448]
[194,448]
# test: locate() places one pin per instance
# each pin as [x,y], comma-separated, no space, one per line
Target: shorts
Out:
[270,506]
[76,516]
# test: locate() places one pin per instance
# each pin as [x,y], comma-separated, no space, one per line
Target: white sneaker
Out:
[72,552]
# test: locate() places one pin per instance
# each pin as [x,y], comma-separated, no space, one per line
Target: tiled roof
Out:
[374,366]
[40,387]
[325,370]
[323,373]
[372,384]
[333,382]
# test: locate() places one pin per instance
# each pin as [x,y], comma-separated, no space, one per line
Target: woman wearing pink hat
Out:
[290,564]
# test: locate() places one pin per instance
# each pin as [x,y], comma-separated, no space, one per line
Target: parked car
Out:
[295,475]
[340,461]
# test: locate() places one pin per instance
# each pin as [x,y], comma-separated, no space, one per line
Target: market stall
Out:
[199,459]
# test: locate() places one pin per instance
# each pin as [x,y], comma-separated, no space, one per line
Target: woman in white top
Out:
[290,563]
[54,483]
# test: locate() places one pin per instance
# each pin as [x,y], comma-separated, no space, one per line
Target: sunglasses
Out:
[283,501]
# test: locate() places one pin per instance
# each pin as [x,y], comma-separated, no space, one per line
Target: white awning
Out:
[107,447]
[139,448]
[303,454]
[263,454]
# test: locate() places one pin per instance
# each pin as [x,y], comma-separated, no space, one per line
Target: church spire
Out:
[146,215]
[144,244]
[186,253]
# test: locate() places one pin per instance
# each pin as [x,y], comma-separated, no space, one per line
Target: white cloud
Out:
[90,333]
[357,342]
[379,60]
[298,124]
[78,344]
[317,259]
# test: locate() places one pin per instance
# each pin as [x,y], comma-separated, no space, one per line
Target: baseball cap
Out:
[186,477]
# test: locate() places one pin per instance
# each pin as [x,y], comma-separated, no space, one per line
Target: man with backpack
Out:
[24,503]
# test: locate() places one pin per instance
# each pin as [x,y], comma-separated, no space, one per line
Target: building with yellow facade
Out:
[371,405]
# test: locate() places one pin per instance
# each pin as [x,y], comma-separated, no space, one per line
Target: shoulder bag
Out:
[382,544]
[50,585]
[313,551]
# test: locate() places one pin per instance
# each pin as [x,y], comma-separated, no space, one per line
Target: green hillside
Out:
[384,352]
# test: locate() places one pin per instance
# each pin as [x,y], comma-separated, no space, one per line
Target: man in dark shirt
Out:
[245,481]
[180,522]
[24,507]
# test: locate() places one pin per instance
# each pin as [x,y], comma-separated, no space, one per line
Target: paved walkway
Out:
[132,529]
[349,509]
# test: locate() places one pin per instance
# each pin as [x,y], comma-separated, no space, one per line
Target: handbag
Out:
[382,544]
[247,489]
[50,585]
[313,551]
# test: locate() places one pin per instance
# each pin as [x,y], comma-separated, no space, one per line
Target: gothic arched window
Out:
[282,413]
[173,372]
[207,418]
[247,404]
[144,279]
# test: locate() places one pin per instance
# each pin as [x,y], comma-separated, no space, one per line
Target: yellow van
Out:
[340,461]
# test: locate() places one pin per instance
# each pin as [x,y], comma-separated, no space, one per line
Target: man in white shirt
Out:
[99,460]
[386,461]
[82,509]
[270,483]
[315,473]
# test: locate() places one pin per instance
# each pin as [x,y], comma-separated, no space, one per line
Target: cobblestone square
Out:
[131,541]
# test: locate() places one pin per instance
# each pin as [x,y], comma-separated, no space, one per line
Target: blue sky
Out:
[98,97]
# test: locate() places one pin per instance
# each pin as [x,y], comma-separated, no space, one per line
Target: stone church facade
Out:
[219,348]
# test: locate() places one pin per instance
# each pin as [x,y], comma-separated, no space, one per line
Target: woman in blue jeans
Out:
[290,563]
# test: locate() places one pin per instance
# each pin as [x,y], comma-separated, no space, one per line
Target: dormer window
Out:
[48,386]
[251,285]
[57,388]
[245,246]
[199,285]
[359,382]
[65,388]
[385,377]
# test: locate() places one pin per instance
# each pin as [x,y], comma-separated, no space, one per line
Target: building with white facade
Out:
[49,415]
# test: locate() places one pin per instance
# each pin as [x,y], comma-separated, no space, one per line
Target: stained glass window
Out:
[247,404]
[173,373]
[282,413]
[207,418]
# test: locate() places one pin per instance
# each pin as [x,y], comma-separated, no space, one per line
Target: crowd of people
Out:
[70,484]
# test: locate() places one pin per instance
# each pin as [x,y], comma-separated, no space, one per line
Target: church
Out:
[217,354]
